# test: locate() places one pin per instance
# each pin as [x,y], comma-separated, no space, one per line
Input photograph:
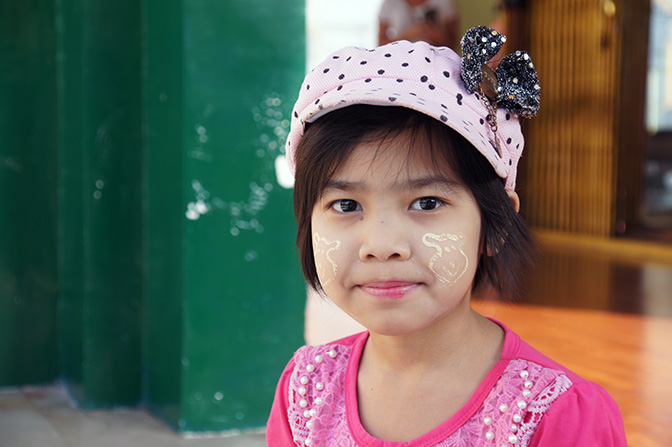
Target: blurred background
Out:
[147,255]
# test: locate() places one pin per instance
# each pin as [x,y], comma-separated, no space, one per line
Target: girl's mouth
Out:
[392,290]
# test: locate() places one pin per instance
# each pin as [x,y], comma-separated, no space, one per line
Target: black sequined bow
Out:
[514,85]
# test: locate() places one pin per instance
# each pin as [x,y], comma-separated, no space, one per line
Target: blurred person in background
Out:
[433,21]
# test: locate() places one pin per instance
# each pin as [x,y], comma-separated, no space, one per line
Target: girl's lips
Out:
[388,289]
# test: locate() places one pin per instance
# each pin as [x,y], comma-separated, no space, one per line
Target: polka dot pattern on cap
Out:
[413,75]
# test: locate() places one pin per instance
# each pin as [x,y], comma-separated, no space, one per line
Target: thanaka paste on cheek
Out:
[450,262]
[322,249]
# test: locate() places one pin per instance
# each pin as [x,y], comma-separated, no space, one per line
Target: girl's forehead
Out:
[398,159]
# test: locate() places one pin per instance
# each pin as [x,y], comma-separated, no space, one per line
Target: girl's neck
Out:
[444,366]
[448,345]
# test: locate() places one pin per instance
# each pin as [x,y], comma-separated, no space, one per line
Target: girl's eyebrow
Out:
[423,182]
[343,185]
[412,183]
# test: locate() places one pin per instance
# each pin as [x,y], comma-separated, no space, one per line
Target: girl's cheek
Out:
[325,261]
[448,261]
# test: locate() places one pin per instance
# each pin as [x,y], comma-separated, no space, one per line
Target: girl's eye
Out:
[346,206]
[426,203]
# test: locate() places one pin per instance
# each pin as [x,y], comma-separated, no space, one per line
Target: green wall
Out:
[28,199]
[147,254]
[218,224]
[100,200]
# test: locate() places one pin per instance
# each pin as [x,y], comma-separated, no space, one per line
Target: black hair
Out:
[506,243]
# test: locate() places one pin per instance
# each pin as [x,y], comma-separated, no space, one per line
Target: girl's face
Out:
[396,244]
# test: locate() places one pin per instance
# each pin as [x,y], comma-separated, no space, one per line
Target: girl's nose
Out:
[384,239]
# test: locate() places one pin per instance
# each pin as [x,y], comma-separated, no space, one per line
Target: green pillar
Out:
[224,298]
[100,200]
[28,153]
[147,246]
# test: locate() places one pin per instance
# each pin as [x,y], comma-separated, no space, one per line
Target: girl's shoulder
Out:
[538,402]
[316,389]
[552,403]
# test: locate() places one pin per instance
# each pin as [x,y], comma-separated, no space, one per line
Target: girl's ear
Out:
[515,200]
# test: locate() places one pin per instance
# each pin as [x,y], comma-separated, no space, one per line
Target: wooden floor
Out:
[617,275]
[601,308]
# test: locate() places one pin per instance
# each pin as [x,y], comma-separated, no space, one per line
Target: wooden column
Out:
[583,50]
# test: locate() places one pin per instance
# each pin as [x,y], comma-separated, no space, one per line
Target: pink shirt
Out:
[527,399]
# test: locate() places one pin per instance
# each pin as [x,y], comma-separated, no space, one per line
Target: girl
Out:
[405,163]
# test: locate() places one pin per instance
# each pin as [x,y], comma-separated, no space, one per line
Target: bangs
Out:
[426,142]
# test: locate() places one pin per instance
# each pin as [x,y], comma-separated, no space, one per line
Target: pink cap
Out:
[413,75]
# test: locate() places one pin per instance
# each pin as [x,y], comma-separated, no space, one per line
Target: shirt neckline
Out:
[443,431]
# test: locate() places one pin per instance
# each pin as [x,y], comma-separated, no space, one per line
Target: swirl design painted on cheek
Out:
[450,269]
[322,249]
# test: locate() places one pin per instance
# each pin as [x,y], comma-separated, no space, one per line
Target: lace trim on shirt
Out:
[513,409]
[317,393]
